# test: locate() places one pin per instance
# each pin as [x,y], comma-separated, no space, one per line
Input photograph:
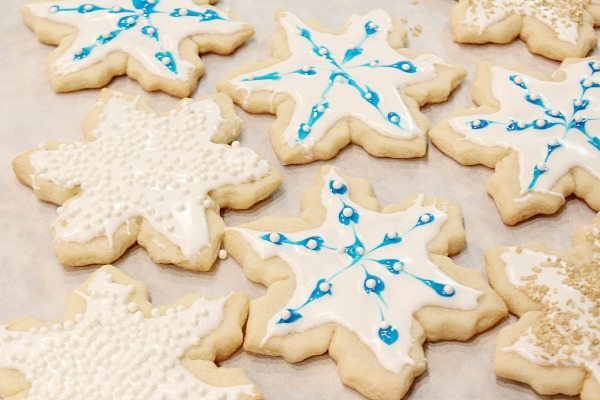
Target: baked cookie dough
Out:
[158,180]
[539,133]
[356,85]
[113,344]
[554,347]
[556,29]
[366,283]
[155,42]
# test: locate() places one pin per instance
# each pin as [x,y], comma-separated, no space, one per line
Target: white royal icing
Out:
[146,165]
[331,77]
[148,30]
[552,125]
[336,264]
[576,341]
[112,351]
[563,16]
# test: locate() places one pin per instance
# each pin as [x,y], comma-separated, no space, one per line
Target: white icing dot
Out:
[150,30]
[274,237]
[555,112]
[448,289]
[53,9]
[116,8]
[337,185]
[324,287]
[534,96]
[554,142]
[397,266]
[166,60]
[578,103]
[392,234]
[370,283]
[426,218]
[312,244]
[596,65]
[540,123]
[476,122]
[395,118]
[360,250]
[323,51]
[183,11]
[235,144]
[368,95]
[88,7]
[405,67]
[578,119]
[285,314]
[541,166]
[320,108]
[347,212]
[587,83]
[130,20]
[518,79]
[521,125]
[306,127]
[222,254]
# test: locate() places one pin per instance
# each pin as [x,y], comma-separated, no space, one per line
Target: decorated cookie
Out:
[155,42]
[366,283]
[555,345]
[540,134]
[112,344]
[159,180]
[359,85]
[555,29]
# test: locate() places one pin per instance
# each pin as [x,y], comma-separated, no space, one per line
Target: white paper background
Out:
[33,283]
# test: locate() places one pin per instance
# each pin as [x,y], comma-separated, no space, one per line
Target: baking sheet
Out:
[32,282]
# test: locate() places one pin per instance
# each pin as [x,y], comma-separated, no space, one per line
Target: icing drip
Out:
[551,125]
[567,332]
[364,270]
[331,77]
[148,30]
[563,16]
[112,351]
[141,164]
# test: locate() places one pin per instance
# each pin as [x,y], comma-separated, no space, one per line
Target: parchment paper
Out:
[32,282]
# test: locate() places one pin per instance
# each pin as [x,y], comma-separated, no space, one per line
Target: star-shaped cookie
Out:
[155,42]
[540,134]
[359,85]
[555,345]
[367,283]
[159,180]
[113,344]
[556,29]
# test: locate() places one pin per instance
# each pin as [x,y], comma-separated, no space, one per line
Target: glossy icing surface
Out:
[563,16]
[567,334]
[113,351]
[148,30]
[552,125]
[331,77]
[159,167]
[364,270]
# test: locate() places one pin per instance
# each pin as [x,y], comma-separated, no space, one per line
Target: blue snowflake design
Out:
[571,121]
[358,256]
[138,15]
[341,72]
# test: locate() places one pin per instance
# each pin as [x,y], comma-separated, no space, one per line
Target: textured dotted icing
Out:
[331,77]
[142,164]
[567,333]
[552,125]
[364,270]
[563,16]
[113,351]
[148,30]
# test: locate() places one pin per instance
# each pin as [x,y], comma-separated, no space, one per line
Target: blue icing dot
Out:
[372,97]
[391,240]
[294,316]
[167,59]
[391,263]
[83,53]
[317,241]
[356,250]
[479,123]
[521,83]
[127,22]
[425,219]
[394,118]
[373,284]
[347,215]
[306,71]
[514,126]
[388,335]
[579,105]
[371,27]
[537,100]
[438,287]
[341,190]
[351,53]
[318,292]
[305,33]
[209,15]
[405,66]
[595,141]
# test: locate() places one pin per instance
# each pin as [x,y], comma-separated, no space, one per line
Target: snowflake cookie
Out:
[113,344]
[159,180]
[540,134]
[358,85]
[155,42]
[555,29]
[336,274]
[555,345]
